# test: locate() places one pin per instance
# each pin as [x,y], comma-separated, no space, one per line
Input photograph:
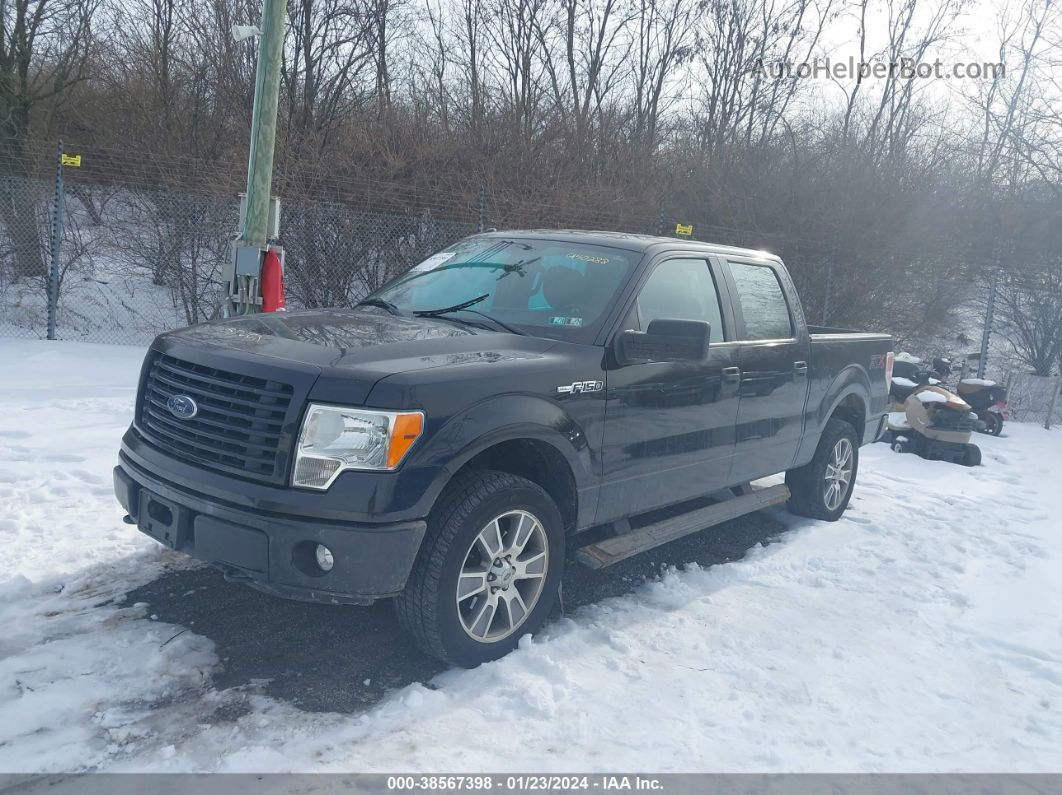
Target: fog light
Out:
[324,558]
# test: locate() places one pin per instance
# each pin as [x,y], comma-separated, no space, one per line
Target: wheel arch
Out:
[847,398]
[525,436]
[851,408]
[538,461]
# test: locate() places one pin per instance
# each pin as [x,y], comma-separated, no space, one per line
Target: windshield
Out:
[549,288]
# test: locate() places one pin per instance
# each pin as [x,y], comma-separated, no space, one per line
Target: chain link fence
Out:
[143,242]
[1033,398]
[134,262]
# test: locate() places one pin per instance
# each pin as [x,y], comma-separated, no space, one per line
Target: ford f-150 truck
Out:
[518,394]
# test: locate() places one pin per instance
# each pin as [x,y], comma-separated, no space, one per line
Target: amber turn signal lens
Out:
[406,431]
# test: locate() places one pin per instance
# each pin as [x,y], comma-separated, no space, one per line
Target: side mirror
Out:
[665,341]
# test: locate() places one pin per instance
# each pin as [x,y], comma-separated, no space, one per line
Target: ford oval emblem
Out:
[182,407]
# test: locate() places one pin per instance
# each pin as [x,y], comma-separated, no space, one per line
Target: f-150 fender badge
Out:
[579,387]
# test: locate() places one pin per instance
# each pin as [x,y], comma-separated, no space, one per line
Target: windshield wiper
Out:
[381,303]
[455,308]
[502,323]
[465,307]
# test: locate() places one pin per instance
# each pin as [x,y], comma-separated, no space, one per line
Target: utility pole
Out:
[990,310]
[255,222]
[1051,403]
[245,271]
[57,242]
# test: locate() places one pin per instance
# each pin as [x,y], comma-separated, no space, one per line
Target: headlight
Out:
[334,438]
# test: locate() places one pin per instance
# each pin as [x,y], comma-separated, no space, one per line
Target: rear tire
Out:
[813,487]
[995,424]
[463,601]
[971,456]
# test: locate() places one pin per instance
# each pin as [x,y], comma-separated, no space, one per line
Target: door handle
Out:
[732,374]
[801,368]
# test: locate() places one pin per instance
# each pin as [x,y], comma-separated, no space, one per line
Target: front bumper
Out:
[269,550]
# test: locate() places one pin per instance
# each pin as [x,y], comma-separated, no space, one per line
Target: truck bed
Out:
[834,351]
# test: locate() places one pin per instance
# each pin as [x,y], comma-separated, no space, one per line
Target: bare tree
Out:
[914,28]
[44,47]
[472,21]
[515,31]
[583,42]
[1029,312]
[386,20]
[332,44]
[1005,101]
[663,43]
[178,240]
[744,45]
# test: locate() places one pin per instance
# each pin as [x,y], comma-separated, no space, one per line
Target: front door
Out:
[774,372]
[669,426]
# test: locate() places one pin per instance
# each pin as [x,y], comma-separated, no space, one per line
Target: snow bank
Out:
[80,677]
[63,409]
[902,638]
[978,382]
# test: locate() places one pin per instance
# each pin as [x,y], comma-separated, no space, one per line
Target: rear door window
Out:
[762,302]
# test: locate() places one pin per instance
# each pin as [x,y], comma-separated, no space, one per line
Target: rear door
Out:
[773,357]
[669,426]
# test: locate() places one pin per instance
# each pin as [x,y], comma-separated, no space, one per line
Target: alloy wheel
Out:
[838,475]
[502,576]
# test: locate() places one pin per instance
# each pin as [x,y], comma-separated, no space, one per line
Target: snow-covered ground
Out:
[921,633]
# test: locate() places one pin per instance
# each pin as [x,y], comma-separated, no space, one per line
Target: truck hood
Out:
[356,348]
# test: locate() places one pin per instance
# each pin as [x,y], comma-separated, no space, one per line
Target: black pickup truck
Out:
[443,441]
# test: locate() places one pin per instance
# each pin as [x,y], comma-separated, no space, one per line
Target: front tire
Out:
[488,571]
[822,488]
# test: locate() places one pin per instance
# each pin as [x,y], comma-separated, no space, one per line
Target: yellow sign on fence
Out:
[684,229]
[71,160]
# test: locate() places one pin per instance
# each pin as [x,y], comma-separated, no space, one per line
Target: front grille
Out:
[239,425]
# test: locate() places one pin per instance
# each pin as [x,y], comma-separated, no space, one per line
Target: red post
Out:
[273,280]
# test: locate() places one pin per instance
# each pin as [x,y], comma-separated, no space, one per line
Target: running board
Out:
[613,550]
